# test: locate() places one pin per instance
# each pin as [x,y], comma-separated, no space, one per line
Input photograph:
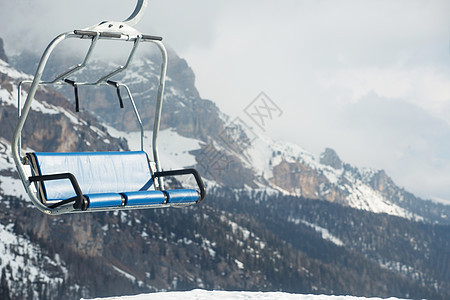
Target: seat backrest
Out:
[96,172]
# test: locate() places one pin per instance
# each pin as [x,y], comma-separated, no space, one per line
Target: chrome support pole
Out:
[19,108]
[15,145]
[130,96]
[158,109]
[137,14]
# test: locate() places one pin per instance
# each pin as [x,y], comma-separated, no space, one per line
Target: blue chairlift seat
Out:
[102,180]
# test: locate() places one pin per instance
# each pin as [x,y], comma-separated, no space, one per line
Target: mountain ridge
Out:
[255,231]
[231,149]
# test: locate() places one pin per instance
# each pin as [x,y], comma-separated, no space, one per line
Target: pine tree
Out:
[4,288]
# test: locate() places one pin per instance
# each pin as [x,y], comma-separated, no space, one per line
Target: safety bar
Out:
[121,68]
[110,82]
[94,40]
[95,36]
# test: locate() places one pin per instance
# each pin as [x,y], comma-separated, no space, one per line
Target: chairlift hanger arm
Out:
[137,14]
[20,162]
[118,31]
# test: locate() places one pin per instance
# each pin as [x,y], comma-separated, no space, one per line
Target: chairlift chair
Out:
[59,183]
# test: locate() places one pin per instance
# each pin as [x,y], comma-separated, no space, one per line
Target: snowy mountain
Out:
[260,227]
[232,153]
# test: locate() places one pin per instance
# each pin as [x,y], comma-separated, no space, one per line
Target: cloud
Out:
[412,145]
[35,23]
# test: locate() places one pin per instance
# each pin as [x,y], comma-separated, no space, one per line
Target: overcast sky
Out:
[367,78]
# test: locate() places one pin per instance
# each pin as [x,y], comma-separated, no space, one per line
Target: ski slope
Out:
[224,295]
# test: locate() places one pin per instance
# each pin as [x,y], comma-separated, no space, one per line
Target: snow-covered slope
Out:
[223,295]
[175,150]
[9,181]
[26,261]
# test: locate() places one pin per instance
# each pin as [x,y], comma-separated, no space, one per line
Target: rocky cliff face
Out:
[2,52]
[330,158]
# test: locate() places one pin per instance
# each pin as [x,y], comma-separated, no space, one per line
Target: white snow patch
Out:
[8,184]
[10,98]
[125,274]
[24,258]
[326,235]
[225,295]
[173,148]
[5,68]
[365,198]
[239,264]
[12,187]
[236,228]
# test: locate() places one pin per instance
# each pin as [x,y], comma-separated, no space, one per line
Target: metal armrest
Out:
[80,202]
[194,172]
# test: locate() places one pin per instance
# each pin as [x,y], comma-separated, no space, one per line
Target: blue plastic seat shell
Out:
[144,198]
[104,200]
[182,196]
[96,172]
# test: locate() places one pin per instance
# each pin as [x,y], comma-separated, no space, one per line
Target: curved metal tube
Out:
[137,14]
[122,68]
[136,113]
[21,122]
[19,107]
[158,109]
[83,64]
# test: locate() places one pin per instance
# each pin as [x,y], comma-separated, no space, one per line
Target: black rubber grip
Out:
[75,87]
[85,32]
[111,34]
[151,37]
[116,84]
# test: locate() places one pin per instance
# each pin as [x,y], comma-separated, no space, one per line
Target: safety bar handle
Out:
[75,87]
[117,86]
[194,172]
[80,201]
